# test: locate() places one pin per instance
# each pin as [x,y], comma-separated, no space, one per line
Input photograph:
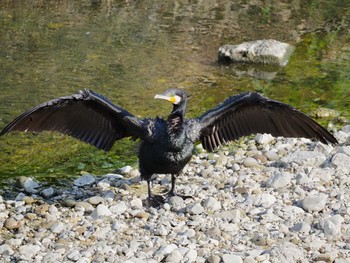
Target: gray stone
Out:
[250,162]
[341,161]
[266,51]
[57,227]
[95,200]
[195,209]
[279,180]
[266,200]
[302,227]
[48,192]
[86,179]
[332,226]
[231,258]
[314,202]
[100,211]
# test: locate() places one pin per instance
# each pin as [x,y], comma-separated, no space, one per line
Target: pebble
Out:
[231,258]
[314,202]
[264,138]
[272,156]
[195,209]
[212,204]
[279,180]
[287,210]
[250,162]
[86,179]
[100,211]
[174,256]
[119,208]
[11,223]
[95,200]
[48,192]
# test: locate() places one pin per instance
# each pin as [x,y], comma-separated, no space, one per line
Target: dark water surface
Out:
[130,50]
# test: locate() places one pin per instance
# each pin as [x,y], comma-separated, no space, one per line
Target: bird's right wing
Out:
[250,113]
[87,116]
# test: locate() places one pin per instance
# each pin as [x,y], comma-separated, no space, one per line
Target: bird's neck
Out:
[175,119]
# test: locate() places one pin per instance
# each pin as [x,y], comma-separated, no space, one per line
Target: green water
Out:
[130,50]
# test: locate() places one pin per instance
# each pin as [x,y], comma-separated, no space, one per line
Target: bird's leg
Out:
[154,200]
[172,191]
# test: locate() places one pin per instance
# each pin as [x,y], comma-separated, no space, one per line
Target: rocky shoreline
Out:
[268,200]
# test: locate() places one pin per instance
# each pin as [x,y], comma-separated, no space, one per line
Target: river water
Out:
[130,50]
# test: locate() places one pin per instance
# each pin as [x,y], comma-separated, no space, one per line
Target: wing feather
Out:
[250,113]
[87,116]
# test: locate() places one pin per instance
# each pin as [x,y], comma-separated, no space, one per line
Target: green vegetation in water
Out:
[53,157]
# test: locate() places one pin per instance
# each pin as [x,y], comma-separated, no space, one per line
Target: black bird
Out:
[167,145]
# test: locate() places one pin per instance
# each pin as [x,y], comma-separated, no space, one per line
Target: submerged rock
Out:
[266,51]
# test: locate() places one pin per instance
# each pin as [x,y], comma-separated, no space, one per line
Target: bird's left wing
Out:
[250,113]
[87,116]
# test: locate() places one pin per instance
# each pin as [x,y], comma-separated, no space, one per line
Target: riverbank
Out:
[269,200]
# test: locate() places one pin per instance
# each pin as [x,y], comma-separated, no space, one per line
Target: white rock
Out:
[191,255]
[272,156]
[86,179]
[28,251]
[195,209]
[263,138]
[231,258]
[166,249]
[266,200]
[125,170]
[100,211]
[136,203]
[57,227]
[332,226]
[279,180]
[6,250]
[212,204]
[325,174]
[308,158]
[174,256]
[342,162]
[118,208]
[286,252]
[74,255]
[314,202]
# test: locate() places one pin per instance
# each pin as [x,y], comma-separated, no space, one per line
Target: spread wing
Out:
[250,113]
[87,116]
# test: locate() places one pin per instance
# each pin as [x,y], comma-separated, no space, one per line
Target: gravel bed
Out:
[266,200]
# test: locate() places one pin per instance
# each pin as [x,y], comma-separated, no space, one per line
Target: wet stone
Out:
[86,179]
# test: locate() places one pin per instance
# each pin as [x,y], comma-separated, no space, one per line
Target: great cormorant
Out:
[167,145]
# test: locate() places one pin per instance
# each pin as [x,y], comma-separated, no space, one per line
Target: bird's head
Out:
[173,95]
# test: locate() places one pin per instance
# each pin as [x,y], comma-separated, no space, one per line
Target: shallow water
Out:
[130,50]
